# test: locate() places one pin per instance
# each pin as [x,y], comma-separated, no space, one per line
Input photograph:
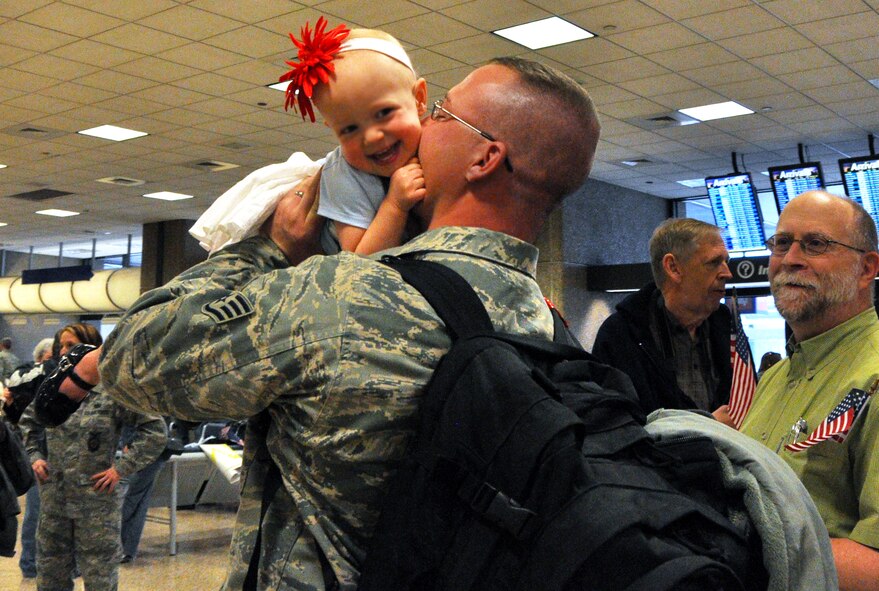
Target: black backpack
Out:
[531,470]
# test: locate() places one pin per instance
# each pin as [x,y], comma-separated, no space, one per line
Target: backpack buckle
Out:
[499,508]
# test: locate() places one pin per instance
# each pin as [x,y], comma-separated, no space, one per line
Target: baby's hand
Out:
[407,185]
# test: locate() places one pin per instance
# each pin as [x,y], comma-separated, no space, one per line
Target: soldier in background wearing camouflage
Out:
[329,358]
[77,471]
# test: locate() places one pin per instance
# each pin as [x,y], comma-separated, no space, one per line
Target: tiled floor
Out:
[203,536]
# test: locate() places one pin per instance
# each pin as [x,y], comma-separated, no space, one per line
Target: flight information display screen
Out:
[736,212]
[790,181]
[860,176]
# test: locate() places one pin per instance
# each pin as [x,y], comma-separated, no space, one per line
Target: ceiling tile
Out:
[818,77]
[840,29]
[92,52]
[473,50]
[621,16]
[855,51]
[766,43]
[252,42]
[659,85]
[730,23]
[795,61]
[10,55]
[627,69]
[429,29]
[797,11]
[129,11]
[681,9]
[58,16]
[692,57]
[690,98]
[156,69]
[142,39]
[752,89]
[376,14]
[201,56]
[732,72]
[250,11]
[843,92]
[586,52]
[656,38]
[113,81]
[27,36]
[189,22]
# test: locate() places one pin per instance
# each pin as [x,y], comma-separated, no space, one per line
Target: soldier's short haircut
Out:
[680,237]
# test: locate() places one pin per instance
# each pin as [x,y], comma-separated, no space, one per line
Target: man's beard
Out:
[820,294]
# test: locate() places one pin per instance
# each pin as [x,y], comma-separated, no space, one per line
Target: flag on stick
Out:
[743,379]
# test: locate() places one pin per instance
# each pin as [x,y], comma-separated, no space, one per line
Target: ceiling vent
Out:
[33,132]
[635,161]
[212,165]
[122,181]
[40,194]
[235,145]
[662,120]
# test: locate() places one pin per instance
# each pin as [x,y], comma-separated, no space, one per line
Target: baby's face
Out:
[374,108]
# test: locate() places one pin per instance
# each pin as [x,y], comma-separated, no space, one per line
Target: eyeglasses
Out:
[813,245]
[437,115]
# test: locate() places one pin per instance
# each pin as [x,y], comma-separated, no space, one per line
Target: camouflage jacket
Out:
[86,444]
[332,355]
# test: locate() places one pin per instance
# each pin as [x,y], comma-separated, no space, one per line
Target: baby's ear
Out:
[419,91]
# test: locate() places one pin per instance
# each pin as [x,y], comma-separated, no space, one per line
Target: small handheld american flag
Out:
[744,383]
[838,422]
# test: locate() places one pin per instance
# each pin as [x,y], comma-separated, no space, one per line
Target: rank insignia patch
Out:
[229,308]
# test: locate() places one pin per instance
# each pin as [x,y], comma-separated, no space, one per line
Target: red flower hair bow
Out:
[314,66]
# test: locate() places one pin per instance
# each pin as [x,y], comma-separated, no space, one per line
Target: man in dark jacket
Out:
[672,337]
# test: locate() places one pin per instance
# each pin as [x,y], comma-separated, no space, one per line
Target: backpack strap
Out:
[453,299]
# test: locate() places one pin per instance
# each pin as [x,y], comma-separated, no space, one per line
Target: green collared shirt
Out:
[841,477]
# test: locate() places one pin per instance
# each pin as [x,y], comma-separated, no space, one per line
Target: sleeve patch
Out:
[226,309]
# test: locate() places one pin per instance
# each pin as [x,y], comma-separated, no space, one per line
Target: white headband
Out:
[392,50]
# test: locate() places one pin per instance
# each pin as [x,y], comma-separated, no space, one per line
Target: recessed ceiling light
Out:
[693,183]
[716,111]
[282,86]
[58,213]
[2,166]
[168,196]
[111,132]
[3,224]
[544,33]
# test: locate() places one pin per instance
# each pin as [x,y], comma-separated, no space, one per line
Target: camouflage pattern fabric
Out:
[73,516]
[335,354]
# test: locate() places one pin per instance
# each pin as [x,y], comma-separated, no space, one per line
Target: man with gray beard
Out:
[822,268]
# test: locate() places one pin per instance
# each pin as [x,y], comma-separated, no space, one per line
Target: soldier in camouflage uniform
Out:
[329,358]
[80,505]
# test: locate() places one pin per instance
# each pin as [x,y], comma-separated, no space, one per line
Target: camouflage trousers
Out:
[95,542]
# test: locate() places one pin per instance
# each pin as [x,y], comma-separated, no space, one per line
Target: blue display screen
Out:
[736,213]
[861,179]
[790,181]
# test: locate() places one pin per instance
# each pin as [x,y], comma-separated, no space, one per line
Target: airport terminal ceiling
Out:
[194,77]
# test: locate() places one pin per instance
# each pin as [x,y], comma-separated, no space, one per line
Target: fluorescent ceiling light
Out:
[3,224]
[111,132]
[282,86]
[58,213]
[168,196]
[544,33]
[2,166]
[716,111]
[692,183]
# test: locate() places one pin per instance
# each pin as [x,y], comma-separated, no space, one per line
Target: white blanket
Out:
[239,212]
